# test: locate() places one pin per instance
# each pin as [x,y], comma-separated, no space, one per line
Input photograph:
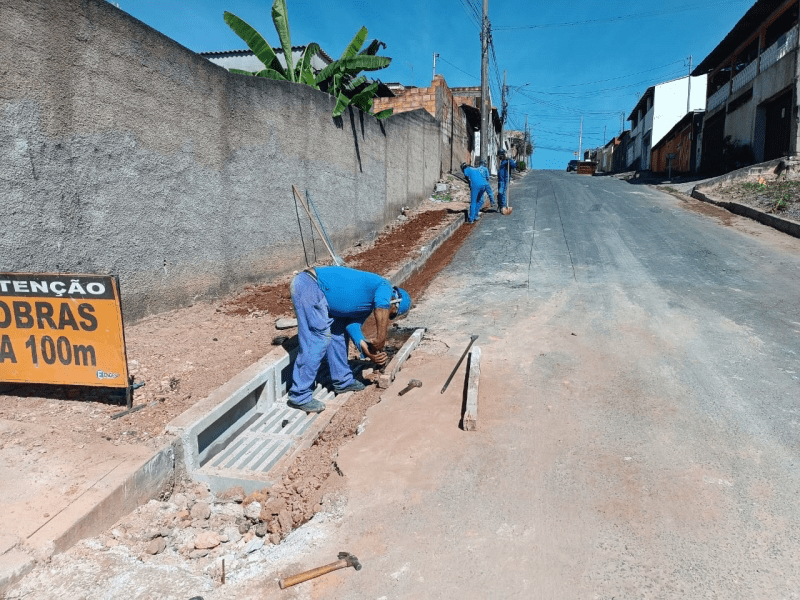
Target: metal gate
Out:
[777,135]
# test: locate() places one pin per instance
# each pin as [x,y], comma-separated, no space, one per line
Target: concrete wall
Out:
[670,103]
[123,152]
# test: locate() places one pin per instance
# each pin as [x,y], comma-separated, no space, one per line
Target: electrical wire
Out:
[621,18]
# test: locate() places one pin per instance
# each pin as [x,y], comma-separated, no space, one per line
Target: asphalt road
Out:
[638,411]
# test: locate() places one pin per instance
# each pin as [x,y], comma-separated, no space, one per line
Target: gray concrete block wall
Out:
[123,152]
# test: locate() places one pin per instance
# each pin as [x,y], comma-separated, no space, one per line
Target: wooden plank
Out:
[470,421]
[396,363]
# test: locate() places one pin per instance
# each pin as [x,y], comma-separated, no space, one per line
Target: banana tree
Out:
[340,78]
[273,69]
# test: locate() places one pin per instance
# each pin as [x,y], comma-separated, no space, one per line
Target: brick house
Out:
[678,150]
[751,111]
[456,109]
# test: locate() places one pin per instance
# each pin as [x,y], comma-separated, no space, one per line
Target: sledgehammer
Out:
[345,560]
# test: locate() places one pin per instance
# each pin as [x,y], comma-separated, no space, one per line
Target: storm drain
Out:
[265,441]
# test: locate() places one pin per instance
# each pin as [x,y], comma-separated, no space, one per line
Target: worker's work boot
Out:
[312,406]
[355,386]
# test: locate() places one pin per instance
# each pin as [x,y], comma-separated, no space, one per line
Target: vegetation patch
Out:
[780,196]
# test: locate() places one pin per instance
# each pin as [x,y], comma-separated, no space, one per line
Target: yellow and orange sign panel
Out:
[61,329]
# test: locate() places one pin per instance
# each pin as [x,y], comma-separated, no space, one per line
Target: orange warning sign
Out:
[61,329]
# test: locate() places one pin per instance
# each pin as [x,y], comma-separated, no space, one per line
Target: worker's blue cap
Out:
[405,301]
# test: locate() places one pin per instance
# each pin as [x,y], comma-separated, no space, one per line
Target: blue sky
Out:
[589,58]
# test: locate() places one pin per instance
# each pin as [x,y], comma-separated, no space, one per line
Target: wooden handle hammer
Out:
[345,560]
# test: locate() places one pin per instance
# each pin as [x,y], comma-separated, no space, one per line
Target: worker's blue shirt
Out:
[485,172]
[502,173]
[475,177]
[352,295]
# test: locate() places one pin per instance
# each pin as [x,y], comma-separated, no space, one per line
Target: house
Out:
[751,109]
[609,155]
[678,150]
[470,99]
[457,110]
[657,111]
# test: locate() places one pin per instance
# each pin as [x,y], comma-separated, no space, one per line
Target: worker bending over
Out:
[331,304]
[503,176]
[477,187]
[485,172]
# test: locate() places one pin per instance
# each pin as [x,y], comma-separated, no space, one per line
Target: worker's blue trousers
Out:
[501,193]
[476,200]
[320,336]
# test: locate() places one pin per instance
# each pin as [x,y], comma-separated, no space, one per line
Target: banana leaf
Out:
[367,93]
[355,44]
[342,102]
[362,62]
[384,113]
[270,74]
[280,17]
[353,85]
[373,48]
[255,42]
[305,74]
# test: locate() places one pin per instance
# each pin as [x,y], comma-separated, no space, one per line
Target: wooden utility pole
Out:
[504,106]
[580,142]
[485,81]
[689,95]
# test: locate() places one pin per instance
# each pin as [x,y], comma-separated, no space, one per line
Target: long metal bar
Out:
[336,258]
[313,222]
[472,339]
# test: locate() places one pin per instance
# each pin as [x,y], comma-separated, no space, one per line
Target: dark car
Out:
[572,166]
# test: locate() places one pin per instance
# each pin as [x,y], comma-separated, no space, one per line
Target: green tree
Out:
[341,78]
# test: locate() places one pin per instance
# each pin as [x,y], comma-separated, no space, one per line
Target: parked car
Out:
[572,166]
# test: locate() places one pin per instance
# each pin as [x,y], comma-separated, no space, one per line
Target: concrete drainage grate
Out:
[267,438]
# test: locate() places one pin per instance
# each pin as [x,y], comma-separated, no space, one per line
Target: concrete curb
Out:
[745,172]
[396,363]
[112,498]
[784,225]
[398,276]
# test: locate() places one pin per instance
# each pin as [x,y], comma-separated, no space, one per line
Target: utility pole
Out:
[604,135]
[435,55]
[580,141]
[485,81]
[689,96]
[525,143]
[504,107]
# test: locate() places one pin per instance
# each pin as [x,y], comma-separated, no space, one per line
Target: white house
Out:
[657,111]
[245,60]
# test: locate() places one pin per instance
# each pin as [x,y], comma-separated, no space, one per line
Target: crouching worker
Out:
[331,304]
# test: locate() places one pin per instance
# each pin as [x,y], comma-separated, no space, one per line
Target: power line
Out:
[457,68]
[620,77]
[655,13]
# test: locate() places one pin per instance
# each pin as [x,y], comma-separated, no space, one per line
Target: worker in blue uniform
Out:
[477,187]
[503,176]
[331,304]
[485,172]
